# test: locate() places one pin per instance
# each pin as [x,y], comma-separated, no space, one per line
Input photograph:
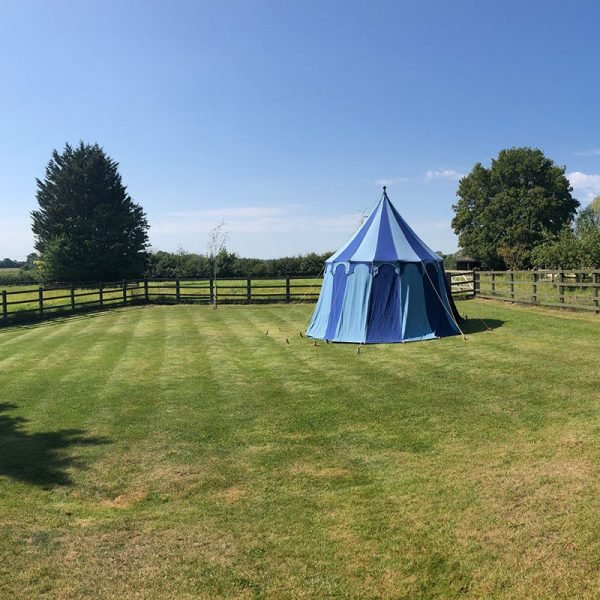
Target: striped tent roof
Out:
[384,237]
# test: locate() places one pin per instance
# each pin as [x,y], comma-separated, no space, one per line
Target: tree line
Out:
[184,264]
[518,213]
[170,265]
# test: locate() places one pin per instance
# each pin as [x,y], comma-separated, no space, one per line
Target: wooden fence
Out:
[30,302]
[564,289]
[560,289]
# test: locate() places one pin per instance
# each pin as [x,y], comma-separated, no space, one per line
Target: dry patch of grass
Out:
[310,470]
[126,500]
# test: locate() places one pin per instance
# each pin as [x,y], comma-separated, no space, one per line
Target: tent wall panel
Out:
[353,319]
[337,300]
[416,324]
[320,318]
[385,312]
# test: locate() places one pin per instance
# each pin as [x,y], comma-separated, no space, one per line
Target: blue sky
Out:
[285,118]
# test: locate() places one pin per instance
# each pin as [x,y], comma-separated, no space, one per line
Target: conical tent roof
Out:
[384,285]
[384,237]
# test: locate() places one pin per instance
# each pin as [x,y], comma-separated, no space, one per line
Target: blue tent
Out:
[384,285]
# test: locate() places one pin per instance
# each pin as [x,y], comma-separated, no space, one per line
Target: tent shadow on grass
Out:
[475,325]
[40,458]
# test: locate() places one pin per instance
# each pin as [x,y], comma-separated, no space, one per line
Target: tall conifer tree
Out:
[87,227]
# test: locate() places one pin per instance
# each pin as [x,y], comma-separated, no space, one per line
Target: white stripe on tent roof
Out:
[434,255]
[335,255]
[366,251]
[404,250]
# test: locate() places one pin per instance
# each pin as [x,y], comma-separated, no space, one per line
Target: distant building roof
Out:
[467,259]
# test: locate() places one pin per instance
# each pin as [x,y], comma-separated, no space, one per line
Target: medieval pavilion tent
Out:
[384,285]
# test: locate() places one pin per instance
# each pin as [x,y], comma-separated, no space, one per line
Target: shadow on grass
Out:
[39,458]
[64,317]
[475,325]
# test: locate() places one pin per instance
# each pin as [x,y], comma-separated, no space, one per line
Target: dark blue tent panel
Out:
[384,321]
[384,285]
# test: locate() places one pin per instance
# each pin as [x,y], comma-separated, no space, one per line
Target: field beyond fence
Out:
[563,289]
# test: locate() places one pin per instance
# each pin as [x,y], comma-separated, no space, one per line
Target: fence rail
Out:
[559,289]
[32,301]
[564,289]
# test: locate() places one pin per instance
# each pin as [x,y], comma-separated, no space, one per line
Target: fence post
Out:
[72,296]
[146,297]
[596,281]
[512,285]
[41,300]
[124,291]
[4,307]
[177,290]
[493,284]
[561,288]
[476,283]
[288,297]
[100,294]
[248,290]
[212,291]
[534,278]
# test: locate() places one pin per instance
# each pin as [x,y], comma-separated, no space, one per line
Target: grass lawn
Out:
[180,452]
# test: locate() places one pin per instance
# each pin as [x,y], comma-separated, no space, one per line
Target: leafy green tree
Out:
[562,252]
[183,264]
[8,263]
[577,248]
[503,212]
[87,227]
[450,259]
[588,219]
[311,263]
[32,261]
[590,250]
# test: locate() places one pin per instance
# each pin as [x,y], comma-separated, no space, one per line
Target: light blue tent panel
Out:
[353,319]
[320,318]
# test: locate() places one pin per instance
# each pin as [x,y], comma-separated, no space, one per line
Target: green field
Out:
[184,452]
